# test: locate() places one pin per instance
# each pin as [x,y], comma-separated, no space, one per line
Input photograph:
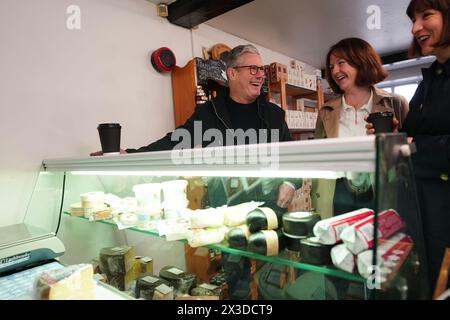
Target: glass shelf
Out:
[326,270]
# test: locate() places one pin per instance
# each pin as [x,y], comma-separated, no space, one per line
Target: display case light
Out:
[322,174]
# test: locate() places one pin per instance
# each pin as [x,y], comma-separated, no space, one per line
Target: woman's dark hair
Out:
[360,55]
[443,6]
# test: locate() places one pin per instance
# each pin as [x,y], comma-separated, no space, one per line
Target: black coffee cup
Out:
[109,137]
[382,121]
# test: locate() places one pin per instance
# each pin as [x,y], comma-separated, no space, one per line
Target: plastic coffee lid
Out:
[108,125]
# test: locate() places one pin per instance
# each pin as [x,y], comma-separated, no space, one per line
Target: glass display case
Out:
[209,221]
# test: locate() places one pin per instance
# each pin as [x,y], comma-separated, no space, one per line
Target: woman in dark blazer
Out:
[428,123]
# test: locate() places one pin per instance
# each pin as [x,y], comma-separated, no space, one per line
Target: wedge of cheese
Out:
[74,282]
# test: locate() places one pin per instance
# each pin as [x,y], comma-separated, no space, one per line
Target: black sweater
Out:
[214,115]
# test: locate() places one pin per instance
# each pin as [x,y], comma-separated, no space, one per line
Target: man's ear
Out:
[231,73]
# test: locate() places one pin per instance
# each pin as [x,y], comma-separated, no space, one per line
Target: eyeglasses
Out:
[253,69]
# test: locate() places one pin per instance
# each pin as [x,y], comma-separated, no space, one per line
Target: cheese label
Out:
[272,242]
[272,220]
[246,231]
[150,279]
[163,289]
[175,271]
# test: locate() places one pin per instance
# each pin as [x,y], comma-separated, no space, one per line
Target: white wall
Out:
[57,84]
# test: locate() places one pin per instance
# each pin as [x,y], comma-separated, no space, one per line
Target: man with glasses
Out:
[240,106]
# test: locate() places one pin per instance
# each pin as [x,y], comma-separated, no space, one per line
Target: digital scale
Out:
[23,244]
[25,251]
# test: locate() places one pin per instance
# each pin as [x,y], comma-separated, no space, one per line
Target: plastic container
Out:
[91,201]
[148,197]
[173,210]
[174,191]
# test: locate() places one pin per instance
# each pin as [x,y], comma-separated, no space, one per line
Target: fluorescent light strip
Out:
[224,173]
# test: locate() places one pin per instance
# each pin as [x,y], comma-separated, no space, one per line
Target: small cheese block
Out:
[117,260]
[182,281]
[143,265]
[146,285]
[163,292]
[74,282]
[122,281]
[146,265]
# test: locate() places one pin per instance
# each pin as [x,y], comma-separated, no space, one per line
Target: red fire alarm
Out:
[163,60]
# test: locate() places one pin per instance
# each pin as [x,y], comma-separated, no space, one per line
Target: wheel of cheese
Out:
[299,224]
[292,242]
[262,219]
[266,242]
[238,237]
[313,252]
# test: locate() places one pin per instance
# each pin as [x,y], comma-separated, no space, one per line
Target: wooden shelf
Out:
[287,90]
[293,91]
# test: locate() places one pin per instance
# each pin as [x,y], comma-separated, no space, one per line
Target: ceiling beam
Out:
[191,13]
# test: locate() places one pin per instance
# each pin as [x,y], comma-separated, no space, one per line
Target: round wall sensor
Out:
[163,60]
